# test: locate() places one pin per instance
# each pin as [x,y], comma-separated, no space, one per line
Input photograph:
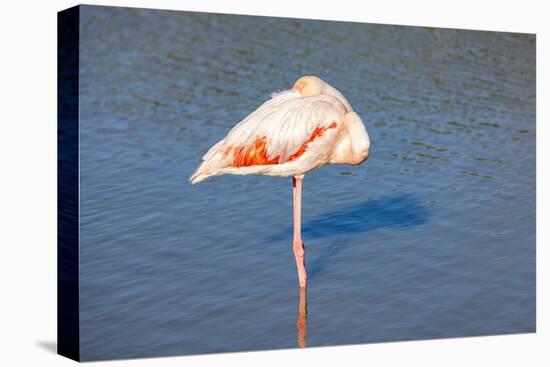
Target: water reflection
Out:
[301,321]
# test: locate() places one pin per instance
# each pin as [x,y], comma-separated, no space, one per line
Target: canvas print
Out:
[237,183]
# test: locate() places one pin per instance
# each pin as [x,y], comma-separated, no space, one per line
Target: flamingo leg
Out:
[297,244]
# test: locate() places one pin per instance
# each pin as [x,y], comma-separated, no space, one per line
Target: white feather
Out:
[287,121]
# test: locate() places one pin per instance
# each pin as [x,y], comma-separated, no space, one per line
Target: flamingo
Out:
[294,132]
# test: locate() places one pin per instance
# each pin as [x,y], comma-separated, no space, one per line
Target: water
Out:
[433,237]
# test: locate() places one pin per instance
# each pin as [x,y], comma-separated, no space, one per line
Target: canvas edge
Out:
[68,318]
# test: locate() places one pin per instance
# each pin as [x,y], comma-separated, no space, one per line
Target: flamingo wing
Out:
[280,131]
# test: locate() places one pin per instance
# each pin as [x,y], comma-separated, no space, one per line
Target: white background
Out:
[28,183]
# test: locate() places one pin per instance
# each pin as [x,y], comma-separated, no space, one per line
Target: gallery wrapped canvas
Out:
[235,183]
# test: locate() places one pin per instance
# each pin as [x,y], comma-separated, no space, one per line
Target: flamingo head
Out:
[313,86]
[309,86]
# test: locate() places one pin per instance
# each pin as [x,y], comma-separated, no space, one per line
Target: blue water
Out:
[433,237]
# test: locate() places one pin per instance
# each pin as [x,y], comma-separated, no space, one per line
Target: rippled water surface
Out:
[434,236]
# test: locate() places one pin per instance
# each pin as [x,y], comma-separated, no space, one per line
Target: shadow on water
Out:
[395,211]
[399,211]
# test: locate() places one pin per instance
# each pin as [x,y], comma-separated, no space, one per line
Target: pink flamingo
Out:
[291,134]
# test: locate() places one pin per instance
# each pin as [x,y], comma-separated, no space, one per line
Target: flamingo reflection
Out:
[301,321]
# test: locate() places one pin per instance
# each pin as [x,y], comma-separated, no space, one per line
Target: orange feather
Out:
[256,154]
